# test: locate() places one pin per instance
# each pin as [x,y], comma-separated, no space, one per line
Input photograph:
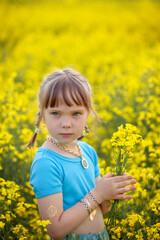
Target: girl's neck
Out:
[71,146]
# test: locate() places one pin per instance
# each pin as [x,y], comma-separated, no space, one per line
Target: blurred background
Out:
[116,45]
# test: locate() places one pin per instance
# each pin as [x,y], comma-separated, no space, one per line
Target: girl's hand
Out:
[110,187]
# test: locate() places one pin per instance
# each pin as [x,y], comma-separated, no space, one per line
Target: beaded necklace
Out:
[77,154]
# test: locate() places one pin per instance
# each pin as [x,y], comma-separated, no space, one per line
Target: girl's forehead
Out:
[64,107]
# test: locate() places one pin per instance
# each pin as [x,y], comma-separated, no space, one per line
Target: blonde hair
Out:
[66,85]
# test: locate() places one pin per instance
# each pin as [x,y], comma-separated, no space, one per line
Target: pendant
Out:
[92,215]
[84,163]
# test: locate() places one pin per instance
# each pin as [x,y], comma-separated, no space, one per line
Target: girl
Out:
[65,174]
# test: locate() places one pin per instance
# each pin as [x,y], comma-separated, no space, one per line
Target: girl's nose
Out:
[66,126]
[66,123]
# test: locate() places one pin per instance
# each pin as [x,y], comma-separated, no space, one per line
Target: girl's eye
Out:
[55,114]
[76,114]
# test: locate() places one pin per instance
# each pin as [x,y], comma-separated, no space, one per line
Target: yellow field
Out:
[116,45]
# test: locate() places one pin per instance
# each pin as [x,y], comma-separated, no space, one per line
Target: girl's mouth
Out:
[66,134]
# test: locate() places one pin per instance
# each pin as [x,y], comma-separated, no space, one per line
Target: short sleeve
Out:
[46,177]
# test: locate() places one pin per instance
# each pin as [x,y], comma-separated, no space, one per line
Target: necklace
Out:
[77,154]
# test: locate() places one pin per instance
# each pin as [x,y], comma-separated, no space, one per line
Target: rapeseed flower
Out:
[123,143]
[43,223]
[2,224]
[126,88]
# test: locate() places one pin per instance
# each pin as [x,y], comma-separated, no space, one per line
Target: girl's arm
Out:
[106,205]
[64,222]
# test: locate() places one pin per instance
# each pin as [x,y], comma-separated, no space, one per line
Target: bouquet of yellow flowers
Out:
[123,142]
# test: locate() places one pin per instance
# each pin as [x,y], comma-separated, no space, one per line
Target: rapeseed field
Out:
[116,45]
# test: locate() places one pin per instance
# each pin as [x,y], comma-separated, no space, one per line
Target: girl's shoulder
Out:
[45,156]
[85,145]
[43,152]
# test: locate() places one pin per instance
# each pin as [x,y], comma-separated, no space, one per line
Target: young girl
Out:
[65,174]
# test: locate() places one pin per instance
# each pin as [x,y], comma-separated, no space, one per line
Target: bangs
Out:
[66,91]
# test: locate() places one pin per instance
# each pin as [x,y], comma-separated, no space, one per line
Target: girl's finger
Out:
[122,178]
[126,189]
[126,183]
[108,175]
[123,196]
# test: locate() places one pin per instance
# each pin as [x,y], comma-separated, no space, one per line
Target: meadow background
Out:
[116,45]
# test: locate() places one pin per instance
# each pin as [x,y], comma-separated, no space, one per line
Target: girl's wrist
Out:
[90,203]
[96,196]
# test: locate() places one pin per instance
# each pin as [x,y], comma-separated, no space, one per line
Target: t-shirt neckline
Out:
[71,159]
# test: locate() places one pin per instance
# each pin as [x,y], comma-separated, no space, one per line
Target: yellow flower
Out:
[129,234]
[20,209]
[20,229]
[131,222]
[10,238]
[8,202]
[4,192]
[114,237]
[123,142]
[118,232]
[43,223]
[2,224]
[27,205]
[8,217]
[1,167]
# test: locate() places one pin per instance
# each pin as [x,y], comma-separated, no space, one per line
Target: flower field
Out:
[116,45]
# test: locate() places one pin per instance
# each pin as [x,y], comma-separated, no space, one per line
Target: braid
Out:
[33,139]
[86,130]
[39,115]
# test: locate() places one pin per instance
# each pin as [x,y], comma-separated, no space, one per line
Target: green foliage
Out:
[116,46]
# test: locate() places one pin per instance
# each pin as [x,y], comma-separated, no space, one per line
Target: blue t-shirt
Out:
[53,173]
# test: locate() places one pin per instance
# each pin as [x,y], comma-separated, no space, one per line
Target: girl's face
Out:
[65,123]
